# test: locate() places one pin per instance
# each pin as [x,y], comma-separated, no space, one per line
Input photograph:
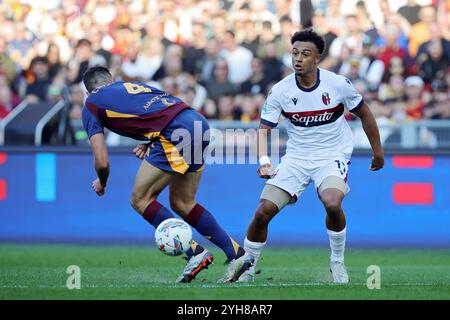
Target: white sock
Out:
[253,248]
[337,245]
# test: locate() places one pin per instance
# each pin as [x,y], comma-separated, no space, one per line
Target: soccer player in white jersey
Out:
[318,149]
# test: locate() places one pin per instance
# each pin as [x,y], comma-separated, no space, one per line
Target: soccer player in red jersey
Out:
[172,157]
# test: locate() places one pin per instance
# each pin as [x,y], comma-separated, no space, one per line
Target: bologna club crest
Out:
[326,98]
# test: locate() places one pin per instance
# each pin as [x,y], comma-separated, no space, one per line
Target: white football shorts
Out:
[294,175]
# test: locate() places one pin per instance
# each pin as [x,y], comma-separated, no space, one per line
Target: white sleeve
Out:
[351,98]
[271,110]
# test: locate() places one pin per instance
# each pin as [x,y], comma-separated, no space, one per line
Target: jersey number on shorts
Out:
[341,166]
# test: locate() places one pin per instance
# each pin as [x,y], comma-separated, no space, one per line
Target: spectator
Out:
[209,109]
[58,86]
[251,37]
[393,18]
[434,63]
[77,100]
[288,28]
[54,60]
[219,26]
[208,62]
[267,35]
[436,35]
[220,85]
[146,60]
[98,40]
[81,61]
[177,45]
[420,32]
[394,90]
[438,107]
[352,40]
[169,84]
[187,94]
[391,48]
[321,26]
[172,64]
[7,65]
[8,99]
[237,57]
[371,69]
[132,70]
[103,11]
[227,108]
[366,23]
[414,102]
[247,109]
[116,66]
[37,80]
[21,49]
[410,12]
[273,67]
[335,18]
[194,91]
[124,39]
[256,84]
[350,68]
[396,67]
[194,52]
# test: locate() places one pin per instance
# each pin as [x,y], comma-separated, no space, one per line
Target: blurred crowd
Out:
[222,57]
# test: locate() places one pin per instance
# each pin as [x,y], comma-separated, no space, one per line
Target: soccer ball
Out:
[173,236]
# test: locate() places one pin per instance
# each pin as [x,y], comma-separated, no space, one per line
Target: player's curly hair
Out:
[95,77]
[309,35]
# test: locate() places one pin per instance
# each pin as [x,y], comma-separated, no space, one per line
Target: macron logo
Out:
[294,100]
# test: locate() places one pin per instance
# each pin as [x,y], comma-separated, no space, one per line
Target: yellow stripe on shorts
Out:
[176,161]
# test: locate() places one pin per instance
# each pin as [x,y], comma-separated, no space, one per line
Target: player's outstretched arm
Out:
[371,129]
[265,170]
[101,162]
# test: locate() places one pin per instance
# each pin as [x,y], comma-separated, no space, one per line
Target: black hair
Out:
[38,59]
[285,19]
[83,42]
[231,33]
[309,35]
[266,24]
[361,4]
[95,77]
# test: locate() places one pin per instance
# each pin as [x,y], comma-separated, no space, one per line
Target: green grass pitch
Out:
[141,272]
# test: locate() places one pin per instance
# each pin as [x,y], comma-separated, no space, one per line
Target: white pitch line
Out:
[215,286]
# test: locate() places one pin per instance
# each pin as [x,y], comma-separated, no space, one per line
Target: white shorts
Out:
[294,175]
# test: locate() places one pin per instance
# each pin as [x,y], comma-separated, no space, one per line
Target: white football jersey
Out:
[315,119]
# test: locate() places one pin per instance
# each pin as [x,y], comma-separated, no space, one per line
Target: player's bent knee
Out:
[181,207]
[176,206]
[265,212]
[261,218]
[332,202]
[333,209]
[137,205]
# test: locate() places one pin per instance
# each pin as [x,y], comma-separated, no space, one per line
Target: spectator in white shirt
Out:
[238,58]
